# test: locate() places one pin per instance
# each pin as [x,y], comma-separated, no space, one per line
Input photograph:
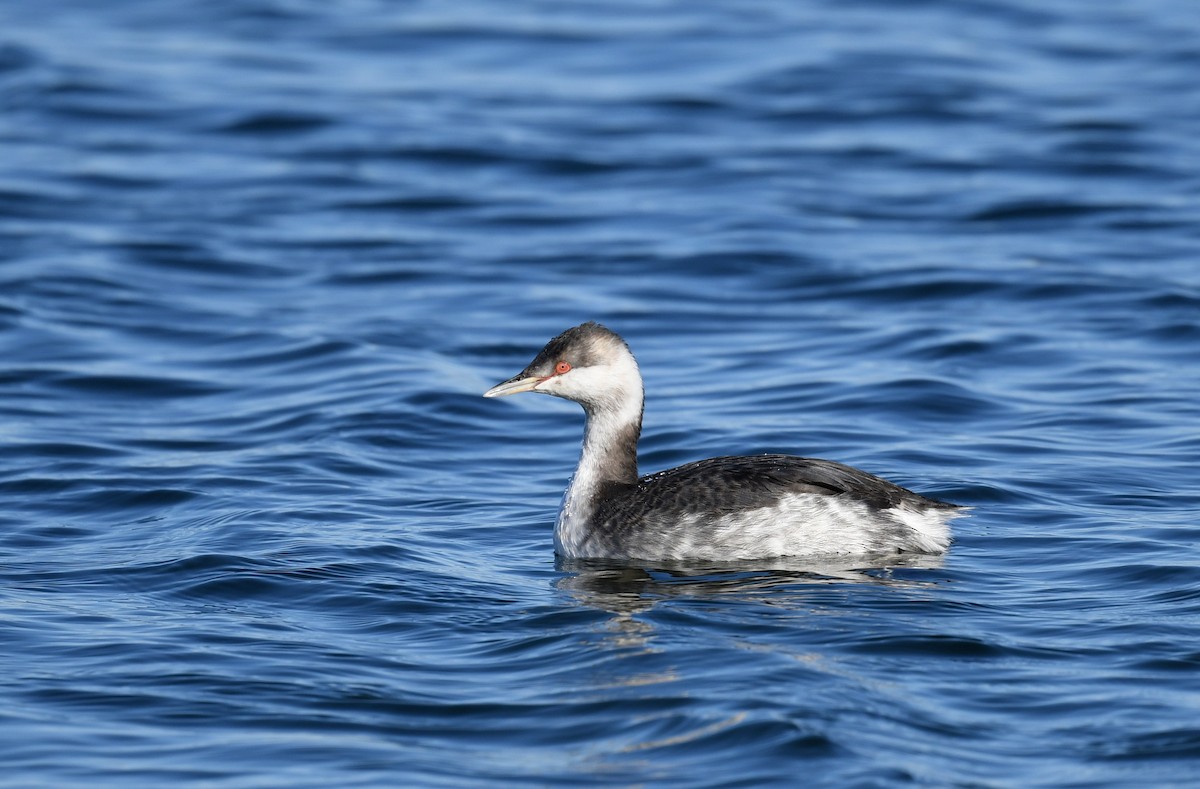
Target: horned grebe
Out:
[720,509]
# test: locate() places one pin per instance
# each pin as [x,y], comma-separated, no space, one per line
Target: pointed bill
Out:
[514,385]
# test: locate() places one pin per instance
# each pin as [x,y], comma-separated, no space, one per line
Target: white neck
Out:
[609,453]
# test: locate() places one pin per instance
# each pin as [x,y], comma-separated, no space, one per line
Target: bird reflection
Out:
[628,593]
[623,588]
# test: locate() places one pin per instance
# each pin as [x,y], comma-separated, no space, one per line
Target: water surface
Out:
[258,260]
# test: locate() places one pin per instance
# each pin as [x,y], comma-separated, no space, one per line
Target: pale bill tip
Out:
[513,386]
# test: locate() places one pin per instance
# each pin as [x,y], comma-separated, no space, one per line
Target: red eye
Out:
[562,367]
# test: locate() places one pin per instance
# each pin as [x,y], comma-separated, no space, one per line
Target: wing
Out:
[728,484]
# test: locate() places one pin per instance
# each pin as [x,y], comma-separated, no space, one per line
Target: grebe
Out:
[720,509]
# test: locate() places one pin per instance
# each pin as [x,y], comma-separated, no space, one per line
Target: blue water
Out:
[259,259]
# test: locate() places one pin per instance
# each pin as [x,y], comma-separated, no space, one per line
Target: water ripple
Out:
[260,260]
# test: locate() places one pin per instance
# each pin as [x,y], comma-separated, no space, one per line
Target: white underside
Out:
[801,524]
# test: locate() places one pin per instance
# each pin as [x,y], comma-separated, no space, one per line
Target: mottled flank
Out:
[726,508]
[769,505]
